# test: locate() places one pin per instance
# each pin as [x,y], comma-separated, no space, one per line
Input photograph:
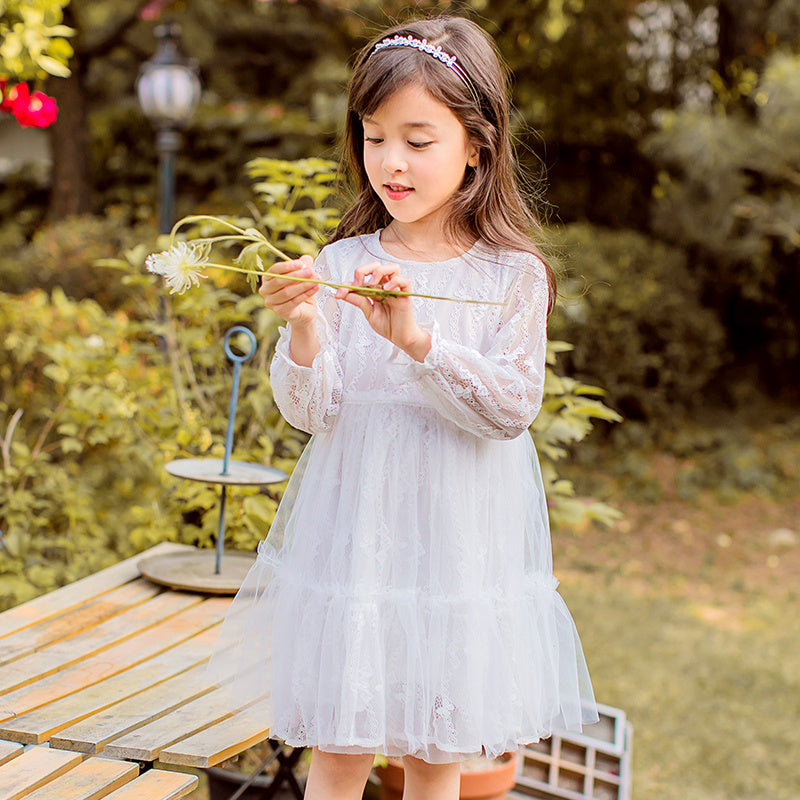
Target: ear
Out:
[473,157]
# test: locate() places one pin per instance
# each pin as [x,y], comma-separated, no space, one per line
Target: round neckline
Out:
[383,253]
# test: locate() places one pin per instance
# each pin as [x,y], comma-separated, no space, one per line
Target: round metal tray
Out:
[240,473]
[194,572]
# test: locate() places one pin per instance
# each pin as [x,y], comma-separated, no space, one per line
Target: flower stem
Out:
[366,291]
[198,218]
[253,235]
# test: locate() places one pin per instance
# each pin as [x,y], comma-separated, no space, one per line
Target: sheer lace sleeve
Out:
[497,393]
[309,397]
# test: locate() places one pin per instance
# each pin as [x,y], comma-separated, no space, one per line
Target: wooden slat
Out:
[114,660]
[92,716]
[9,750]
[75,621]
[92,734]
[57,602]
[156,784]
[93,779]
[146,742]
[221,741]
[64,654]
[34,768]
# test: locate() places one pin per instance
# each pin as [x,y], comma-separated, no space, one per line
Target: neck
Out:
[421,244]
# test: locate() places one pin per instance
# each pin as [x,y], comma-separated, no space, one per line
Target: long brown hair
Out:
[489,206]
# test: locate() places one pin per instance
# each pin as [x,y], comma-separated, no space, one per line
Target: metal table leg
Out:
[284,775]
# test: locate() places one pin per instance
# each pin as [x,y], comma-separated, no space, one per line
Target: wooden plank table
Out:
[114,665]
[41,773]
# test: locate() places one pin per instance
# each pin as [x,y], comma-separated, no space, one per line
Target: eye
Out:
[419,145]
[372,139]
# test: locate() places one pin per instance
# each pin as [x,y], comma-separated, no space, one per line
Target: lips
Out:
[396,191]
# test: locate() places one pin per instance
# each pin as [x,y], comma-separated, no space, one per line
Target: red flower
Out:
[31,110]
[154,9]
[40,113]
[6,103]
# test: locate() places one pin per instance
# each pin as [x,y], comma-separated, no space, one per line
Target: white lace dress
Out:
[404,600]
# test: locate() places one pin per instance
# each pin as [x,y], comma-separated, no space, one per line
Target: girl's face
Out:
[415,154]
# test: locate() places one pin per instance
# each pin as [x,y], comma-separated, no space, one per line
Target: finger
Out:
[291,308]
[271,280]
[363,274]
[279,279]
[288,280]
[285,288]
[295,298]
[284,267]
[398,283]
[374,274]
[363,303]
[277,293]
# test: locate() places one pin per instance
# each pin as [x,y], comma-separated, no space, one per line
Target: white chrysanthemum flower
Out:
[180,265]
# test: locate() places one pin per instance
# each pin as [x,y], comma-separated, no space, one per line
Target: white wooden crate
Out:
[592,765]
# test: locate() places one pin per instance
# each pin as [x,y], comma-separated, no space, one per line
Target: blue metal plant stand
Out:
[203,570]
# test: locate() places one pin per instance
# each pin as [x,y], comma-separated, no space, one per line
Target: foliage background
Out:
[675,120]
[660,140]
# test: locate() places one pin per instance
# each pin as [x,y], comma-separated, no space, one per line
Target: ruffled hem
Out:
[401,672]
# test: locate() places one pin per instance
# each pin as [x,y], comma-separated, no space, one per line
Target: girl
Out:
[404,601]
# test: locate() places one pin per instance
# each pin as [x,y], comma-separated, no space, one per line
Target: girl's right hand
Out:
[293,301]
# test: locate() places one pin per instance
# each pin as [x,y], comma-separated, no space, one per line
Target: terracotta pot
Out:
[492,783]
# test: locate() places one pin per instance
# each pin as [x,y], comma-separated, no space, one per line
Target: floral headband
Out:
[424,46]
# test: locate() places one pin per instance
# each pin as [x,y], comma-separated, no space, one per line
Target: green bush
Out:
[630,307]
[107,401]
[94,402]
[63,255]
[565,419]
[66,365]
[728,192]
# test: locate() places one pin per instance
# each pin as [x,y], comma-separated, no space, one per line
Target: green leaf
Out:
[56,373]
[71,445]
[52,66]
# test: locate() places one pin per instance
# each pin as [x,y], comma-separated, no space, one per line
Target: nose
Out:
[393,160]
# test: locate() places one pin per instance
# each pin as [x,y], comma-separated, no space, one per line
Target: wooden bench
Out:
[39,773]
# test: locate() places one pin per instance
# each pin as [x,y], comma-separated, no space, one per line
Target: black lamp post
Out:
[169,91]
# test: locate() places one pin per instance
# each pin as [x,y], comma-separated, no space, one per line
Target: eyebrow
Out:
[420,124]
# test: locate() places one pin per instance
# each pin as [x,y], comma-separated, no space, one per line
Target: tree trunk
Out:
[71,187]
[741,33]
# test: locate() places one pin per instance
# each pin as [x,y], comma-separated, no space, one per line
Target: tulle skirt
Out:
[404,602]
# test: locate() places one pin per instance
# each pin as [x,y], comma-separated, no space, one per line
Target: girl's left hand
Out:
[392,317]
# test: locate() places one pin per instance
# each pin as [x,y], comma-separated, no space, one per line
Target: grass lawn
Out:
[689,616]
